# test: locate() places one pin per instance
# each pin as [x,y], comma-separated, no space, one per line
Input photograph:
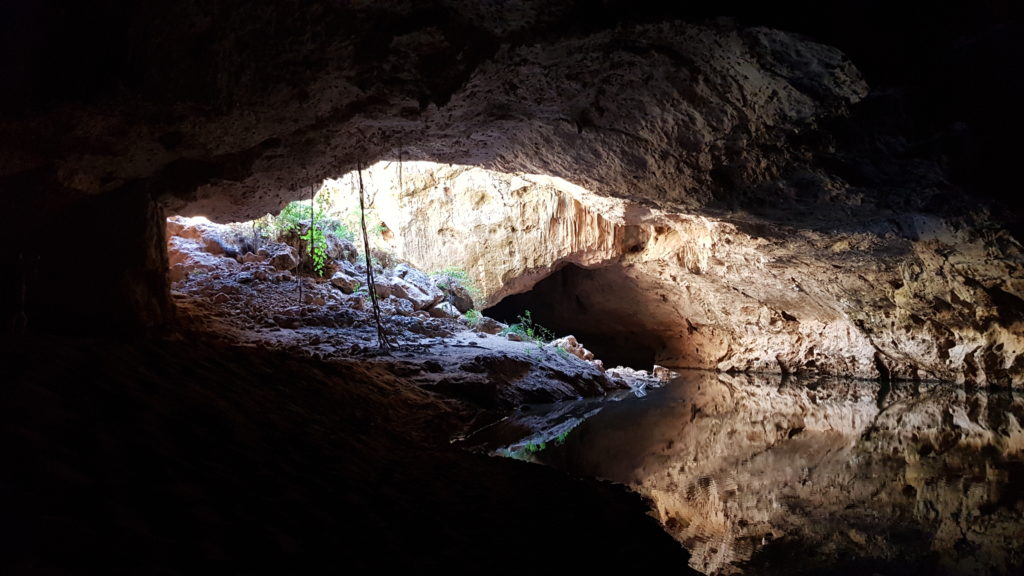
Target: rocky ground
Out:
[263,300]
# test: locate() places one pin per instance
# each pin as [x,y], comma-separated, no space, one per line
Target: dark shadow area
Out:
[602,308]
[176,457]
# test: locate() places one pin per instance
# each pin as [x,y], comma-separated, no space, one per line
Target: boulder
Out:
[394,306]
[313,299]
[352,269]
[344,282]
[413,292]
[213,238]
[459,296]
[382,286]
[572,346]
[186,257]
[423,293]
[342,250]
[664,374]
[281,256]
[488,325]
[444,310]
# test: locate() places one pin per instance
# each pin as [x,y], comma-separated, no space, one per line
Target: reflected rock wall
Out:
[747,471]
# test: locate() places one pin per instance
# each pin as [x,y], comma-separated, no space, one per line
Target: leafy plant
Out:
[532,448]
[260,229]
[528,330]
[316,247]
[473,317]
[340,230]
[310,221]
[291,216]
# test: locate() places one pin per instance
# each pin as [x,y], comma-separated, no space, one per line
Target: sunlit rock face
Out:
[652,286]
[747,471]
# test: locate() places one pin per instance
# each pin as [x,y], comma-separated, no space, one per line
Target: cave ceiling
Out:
[816,186]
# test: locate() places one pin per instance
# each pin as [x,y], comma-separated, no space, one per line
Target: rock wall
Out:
[507,230]
[701,292]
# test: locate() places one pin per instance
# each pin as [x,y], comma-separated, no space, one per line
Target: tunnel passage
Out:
[604,308]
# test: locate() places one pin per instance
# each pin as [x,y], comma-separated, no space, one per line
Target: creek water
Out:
[759,474]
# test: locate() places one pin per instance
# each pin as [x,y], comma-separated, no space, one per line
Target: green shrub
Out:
[316,247]
[472,317]
[528,330]
[312,225]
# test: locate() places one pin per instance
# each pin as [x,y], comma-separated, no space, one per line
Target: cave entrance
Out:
[603,308]
[456,222]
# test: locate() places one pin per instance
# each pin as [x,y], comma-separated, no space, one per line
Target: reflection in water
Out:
[760,475]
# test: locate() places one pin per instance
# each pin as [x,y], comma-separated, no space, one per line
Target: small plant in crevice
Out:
[532,448]
[527,329]
[561,437]
[452,273]
[473,317]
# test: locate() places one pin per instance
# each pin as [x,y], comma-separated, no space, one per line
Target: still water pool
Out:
[769,475]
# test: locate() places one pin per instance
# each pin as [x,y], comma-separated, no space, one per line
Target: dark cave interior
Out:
[127,453]
[582,302]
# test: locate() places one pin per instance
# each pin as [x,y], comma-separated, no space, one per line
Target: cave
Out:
[583,303]
[791,230]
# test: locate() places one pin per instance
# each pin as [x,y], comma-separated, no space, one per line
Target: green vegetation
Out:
[535,446]
[532,448]
[473,317]
[528,330]
[316,247]
[310,221]
[453,273]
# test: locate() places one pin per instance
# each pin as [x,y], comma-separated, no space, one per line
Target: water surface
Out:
[765,475]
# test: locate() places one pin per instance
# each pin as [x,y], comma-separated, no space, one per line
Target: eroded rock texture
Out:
[717,291]
[741,197]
